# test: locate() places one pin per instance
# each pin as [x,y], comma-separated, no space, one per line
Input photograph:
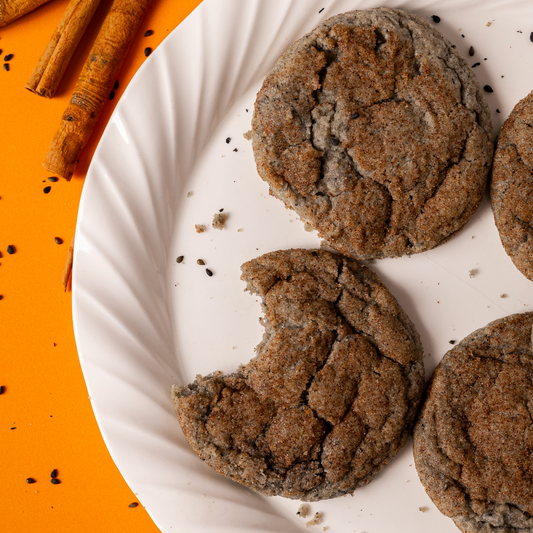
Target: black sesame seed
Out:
[9,57]
[30,480]
[0,50]
[55,481]
[147,51]
[235,149]
[13,428]
[208,272]
[11,249]
[334,142]
[462,36]
[220,210]
[1,296]
[452,342]
[53,179]
[6,66]
[476,65]
[488,89]
[435,18]
[58,240]
[321,10]
[147,33]
[497,110]
[1,389]
[53,473]
[471,51]
[179,259]
[133,504]
[46,190]
[115,86]
[112,94]
[228,140]
[355,115]
[200,262]
[531,36]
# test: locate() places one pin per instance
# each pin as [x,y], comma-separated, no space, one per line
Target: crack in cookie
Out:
[473,441]
[376,132]
[332,393]
[511,186]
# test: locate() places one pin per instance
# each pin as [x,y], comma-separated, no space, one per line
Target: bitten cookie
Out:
[473,442]
[375,131]
[332,393]
[511,189]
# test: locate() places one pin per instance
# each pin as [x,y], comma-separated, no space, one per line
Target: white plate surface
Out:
[143,322]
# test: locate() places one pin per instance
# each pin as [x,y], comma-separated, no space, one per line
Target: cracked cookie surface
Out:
[473,442]
[511,186]
[333,390]
[375,131]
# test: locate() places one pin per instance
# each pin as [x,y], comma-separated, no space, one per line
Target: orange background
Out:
[45,397]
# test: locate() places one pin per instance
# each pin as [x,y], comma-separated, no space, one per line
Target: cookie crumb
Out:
[472,272]
[219,220]
[488,24]
[189,194]
[303,510]
[503,295]
[422,509]
[199,228]
[240,229]
[248,135]
[315,521]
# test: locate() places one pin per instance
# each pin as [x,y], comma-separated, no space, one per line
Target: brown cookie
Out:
[333,390]
[375,131]
[511,189]
[473,442]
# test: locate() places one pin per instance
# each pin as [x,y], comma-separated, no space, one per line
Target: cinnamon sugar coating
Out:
[473,442]
[332,393]
[375,131]
[511,188]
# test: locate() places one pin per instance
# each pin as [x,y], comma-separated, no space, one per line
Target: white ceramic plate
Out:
[143,322]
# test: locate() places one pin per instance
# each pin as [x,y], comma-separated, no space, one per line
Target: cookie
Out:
[473,442]
[332,393]
[375,131]
[511,187]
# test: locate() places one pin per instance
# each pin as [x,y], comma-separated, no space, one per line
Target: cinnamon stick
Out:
[94,85]
[67,271]
[11,10]
[51,66]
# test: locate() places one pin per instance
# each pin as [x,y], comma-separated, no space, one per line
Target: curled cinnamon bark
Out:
[67,271]
[11,10]
[94,85]
[51,66]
